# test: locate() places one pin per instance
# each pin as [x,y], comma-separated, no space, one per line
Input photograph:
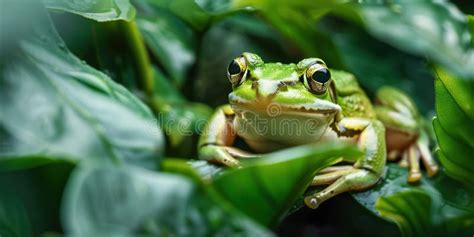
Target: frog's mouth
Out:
[274,109]
[317,108]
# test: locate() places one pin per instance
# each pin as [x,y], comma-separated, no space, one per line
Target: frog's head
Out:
[304,89]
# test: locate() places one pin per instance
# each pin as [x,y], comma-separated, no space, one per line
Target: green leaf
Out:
[360,51]
[124,201]
[414,223]
[30,199]
[193,15]
[171,42]
[265,188]
[470,24]
[295,20]
[103,10]
[450,210]
[200,14]
[13,29]
[461,91]
[14,219]
[126,60]
[439,28]
[427,209]
[454,125]
[61,108]
[165,90]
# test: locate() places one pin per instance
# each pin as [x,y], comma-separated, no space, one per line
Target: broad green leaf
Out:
[61,108]
[14,221]
[114,57]
[417,214]
[265,188]
[126,60]
[454,125]
[103,10]
[415,222]
[439,28]
[165,90]
[429,208]
[445,208]
[30,199]
[193,15]
[124,201]
[460,92]
[295,20]
[359,52]
[11,28]
[470,24]
[200,14]
[171,42]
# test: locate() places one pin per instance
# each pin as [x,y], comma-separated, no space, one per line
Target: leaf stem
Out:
[138,49]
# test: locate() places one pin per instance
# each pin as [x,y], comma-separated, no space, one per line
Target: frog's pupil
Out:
[234,68]
[322,75]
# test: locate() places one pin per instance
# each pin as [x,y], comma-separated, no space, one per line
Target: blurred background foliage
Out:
[102,101]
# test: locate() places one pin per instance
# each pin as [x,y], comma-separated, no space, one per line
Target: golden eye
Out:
[317,78]
[236,70]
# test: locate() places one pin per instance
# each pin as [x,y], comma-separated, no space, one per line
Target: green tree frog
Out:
[275,105]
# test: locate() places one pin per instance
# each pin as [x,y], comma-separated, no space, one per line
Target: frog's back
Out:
[352,99]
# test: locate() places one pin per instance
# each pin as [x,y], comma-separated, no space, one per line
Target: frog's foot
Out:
[405,136]
[411,156]
[224,155]
[344,179]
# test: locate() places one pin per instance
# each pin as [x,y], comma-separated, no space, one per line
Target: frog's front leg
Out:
[217,138]
[405,135]
[365,172]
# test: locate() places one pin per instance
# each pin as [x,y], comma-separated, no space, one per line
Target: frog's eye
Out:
[317,78]
[236,70]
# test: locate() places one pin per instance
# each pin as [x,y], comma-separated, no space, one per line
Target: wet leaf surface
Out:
[103,10]
[121,201]
[79,112]
[274,181]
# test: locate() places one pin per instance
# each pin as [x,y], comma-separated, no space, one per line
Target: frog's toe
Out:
[403,162]
[428,161]
[312,202]
[218,154]
[414,177]
[411,159]
[414,164]
[393,155]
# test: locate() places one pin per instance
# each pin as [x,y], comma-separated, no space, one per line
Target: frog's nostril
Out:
[254,85]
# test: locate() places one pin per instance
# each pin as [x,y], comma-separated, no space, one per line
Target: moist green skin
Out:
[272,108]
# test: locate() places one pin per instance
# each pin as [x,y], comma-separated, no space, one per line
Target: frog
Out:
[274,106]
